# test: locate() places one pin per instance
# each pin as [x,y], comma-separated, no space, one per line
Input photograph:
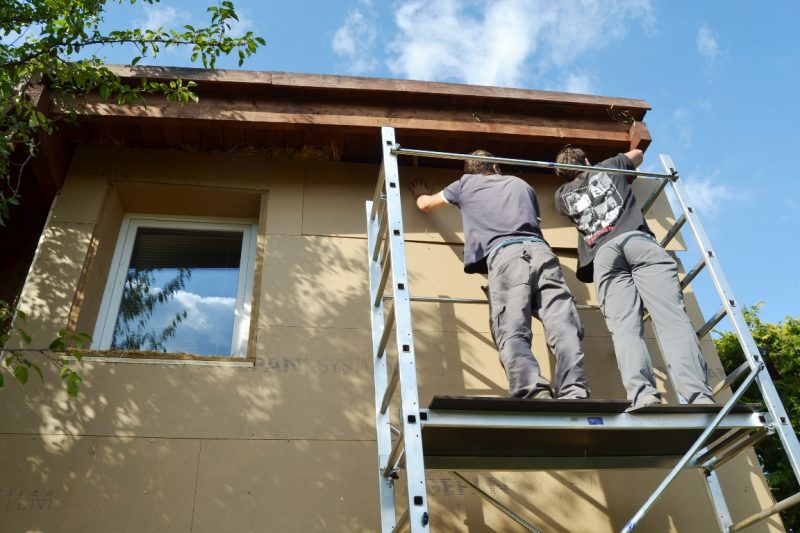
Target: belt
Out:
[515,240]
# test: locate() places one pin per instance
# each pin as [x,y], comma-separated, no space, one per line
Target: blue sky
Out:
[722,79]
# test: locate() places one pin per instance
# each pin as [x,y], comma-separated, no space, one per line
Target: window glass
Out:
[180,292]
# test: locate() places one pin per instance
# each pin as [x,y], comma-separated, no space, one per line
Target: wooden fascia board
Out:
[186,115]
[333,83]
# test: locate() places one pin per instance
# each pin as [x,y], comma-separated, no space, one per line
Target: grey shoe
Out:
[543,394]
[702,399]
[647,401]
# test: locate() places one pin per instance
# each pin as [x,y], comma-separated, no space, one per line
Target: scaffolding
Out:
[456,433]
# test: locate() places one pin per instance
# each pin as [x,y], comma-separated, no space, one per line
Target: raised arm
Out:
[425,200]
[636,156]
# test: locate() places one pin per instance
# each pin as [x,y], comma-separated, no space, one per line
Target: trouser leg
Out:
[554,306]
[655,274]
[510,300]
[622,309]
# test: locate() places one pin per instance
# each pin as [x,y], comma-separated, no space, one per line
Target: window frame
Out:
[115,282]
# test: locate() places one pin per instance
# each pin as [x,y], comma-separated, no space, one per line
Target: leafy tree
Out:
[779,345]
[17,361]
[46,42]
[54,43]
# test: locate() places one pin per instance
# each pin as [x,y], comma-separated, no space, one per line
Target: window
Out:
[179,285]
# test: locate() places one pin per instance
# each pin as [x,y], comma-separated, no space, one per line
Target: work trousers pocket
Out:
[509,297]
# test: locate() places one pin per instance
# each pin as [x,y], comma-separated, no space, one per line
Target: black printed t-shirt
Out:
[601,206]
[493,208]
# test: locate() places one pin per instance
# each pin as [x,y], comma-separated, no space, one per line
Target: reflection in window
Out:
[179,285]
[180,292]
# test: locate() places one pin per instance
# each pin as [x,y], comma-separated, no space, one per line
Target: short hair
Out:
[570,155]
[479,167]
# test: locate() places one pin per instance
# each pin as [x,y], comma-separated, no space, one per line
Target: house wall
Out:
[286,442]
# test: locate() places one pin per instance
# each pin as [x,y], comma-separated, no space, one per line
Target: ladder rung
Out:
[382,234]
[689,277]
[731,378]
[653,195]
[376,197]
[388,326]
[394,457]
[387,395]
[387,264]
[673,231]
[782,505]
[708,326]
[401,524]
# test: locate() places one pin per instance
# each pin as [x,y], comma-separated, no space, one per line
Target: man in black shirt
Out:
[631,271]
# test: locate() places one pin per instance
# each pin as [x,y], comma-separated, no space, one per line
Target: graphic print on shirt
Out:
[596,208]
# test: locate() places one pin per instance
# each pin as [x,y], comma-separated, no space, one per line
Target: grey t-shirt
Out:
[493,208]
[601,206]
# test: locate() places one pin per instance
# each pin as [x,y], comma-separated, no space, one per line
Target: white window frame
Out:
[115,284]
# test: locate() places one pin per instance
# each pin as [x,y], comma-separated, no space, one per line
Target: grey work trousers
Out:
[525,280]
[633,271]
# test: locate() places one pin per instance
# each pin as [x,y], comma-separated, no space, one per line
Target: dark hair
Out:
[479,167]
[570,155]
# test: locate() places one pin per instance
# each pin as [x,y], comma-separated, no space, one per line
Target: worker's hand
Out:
[418,188]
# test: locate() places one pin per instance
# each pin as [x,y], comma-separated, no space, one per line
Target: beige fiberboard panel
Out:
[586,501]
[205,171]
[314,395]
[286,486]
[96,484]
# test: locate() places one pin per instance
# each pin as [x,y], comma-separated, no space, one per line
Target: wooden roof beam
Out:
[546,130]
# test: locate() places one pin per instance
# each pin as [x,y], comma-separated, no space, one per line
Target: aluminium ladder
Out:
[457,433]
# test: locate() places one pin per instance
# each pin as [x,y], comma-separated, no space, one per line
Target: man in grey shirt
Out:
[631,271]
[502,238]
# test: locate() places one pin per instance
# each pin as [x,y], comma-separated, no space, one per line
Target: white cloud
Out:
[354,40]
[158,16]
[203,310]
[708,43]
[161,16]
[207,328]
[243,25]
[577,82]
[499,42]
[709,195]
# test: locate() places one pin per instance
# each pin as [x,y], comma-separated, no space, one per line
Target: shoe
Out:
[650,400]
[543,394]
[647,401]
[568,397]
[702,399]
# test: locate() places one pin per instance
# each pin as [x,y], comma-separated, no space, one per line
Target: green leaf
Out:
[135,60]
[21,373]
[72,388]
[25,337]
[38,370]
[58,345]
